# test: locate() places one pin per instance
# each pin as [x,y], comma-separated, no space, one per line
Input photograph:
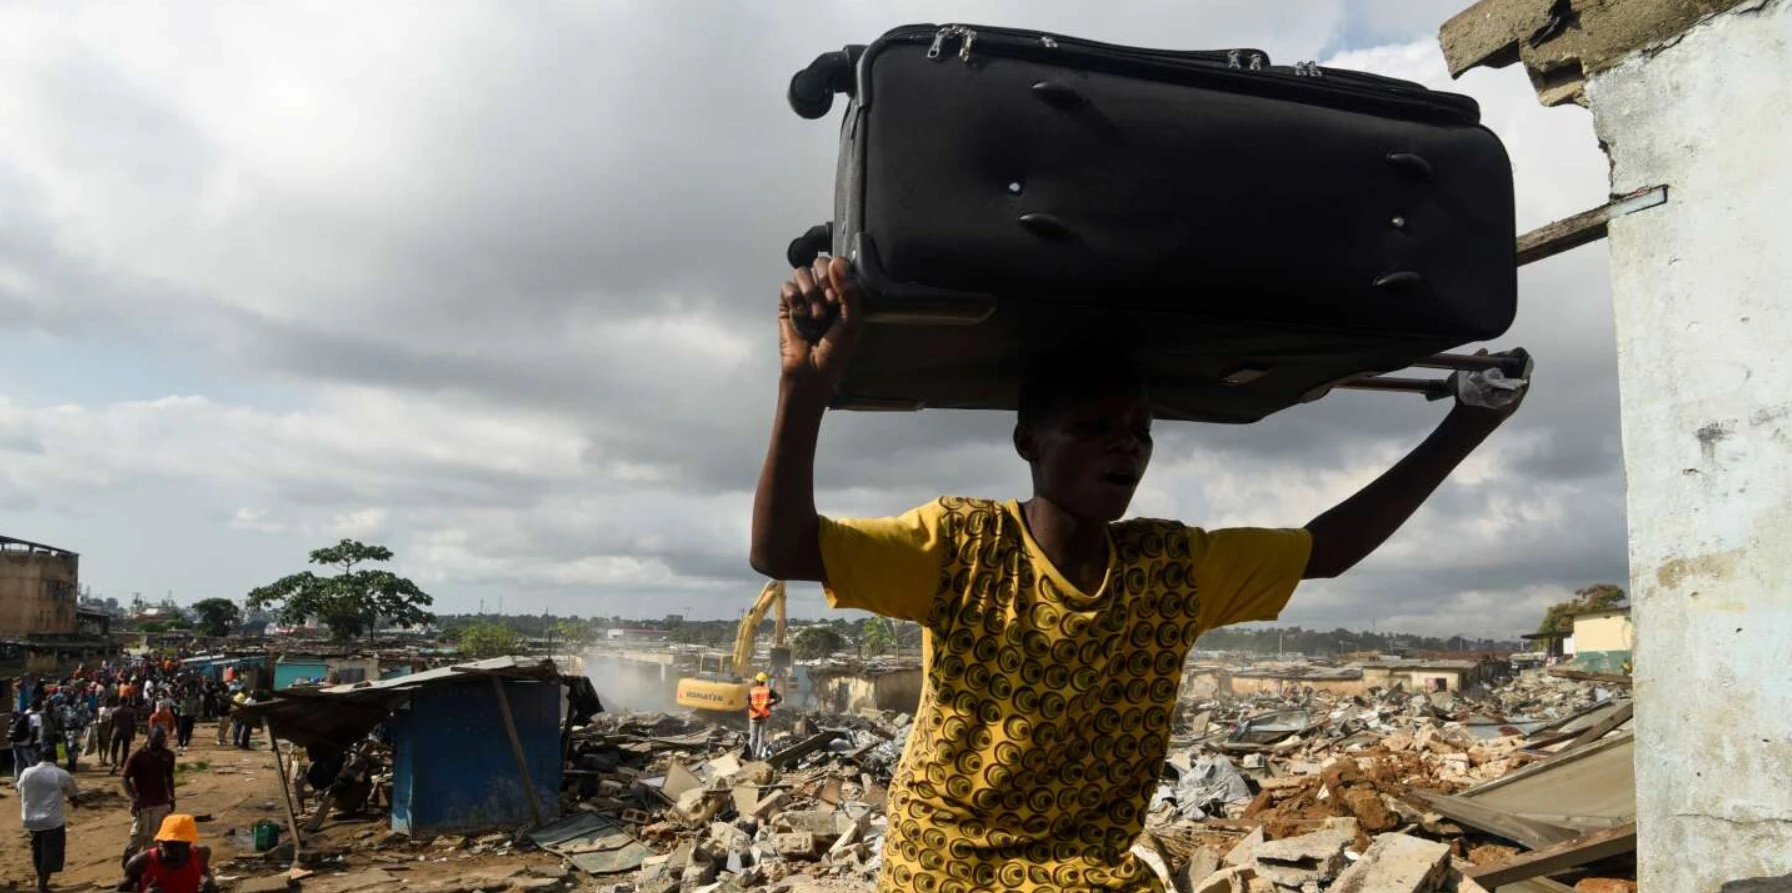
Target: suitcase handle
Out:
[812,90]
[804,249]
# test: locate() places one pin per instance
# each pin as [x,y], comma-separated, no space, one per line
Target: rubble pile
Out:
[1314,791]
[711,820]
[1309,791]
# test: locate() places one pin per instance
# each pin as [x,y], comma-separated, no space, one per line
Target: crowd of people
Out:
[101,712]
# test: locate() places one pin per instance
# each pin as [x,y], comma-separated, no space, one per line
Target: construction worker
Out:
[176,864]
[760,701]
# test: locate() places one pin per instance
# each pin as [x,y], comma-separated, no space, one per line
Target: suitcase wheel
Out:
[804,249]
[812,90]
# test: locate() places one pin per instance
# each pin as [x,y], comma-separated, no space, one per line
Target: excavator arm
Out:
[772,595]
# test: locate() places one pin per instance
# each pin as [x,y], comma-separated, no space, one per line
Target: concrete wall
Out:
[898,691]
[37,593]
[1703,295]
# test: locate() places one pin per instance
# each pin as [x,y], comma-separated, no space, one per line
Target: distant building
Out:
[38,590]
[1602,641]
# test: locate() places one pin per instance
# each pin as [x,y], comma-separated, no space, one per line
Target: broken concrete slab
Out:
[729,837]
[1240,855]
[1236,879]
[1396,863]
[1202,862]
[1308,858]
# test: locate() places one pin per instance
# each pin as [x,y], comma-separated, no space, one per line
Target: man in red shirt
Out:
[149,782]
[176,864]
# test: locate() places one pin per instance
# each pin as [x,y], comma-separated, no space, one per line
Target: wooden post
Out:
[516,749]
[292,818]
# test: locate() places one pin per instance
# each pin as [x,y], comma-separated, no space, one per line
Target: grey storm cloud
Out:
[506,272]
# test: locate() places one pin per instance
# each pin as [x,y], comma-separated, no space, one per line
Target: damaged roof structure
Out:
[473,746]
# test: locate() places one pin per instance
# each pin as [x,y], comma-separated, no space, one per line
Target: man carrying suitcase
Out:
[1057,632]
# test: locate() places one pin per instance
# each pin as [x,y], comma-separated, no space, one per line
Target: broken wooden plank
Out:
[1569,233]
[1558,858]
[789,755]
[1599,729]
[1533,834]
[1581,676]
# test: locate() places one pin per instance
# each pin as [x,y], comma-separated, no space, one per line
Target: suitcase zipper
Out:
[1348,83]
[967,35]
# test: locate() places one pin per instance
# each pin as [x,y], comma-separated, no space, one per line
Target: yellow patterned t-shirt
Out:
[1046,711]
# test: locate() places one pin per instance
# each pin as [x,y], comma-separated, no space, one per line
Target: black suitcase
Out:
[1253,234]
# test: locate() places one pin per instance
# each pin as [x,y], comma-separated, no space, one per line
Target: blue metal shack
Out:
[452,765]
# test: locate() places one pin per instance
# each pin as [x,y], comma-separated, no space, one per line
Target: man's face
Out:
[1088,458]
[175,853]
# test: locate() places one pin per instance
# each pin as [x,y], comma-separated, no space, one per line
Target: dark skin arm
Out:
[786,527]
[133,873]
[1348,532]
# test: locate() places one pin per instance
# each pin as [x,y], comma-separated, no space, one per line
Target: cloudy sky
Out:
[491,283]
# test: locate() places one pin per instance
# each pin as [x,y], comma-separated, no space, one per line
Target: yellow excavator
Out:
[723,680]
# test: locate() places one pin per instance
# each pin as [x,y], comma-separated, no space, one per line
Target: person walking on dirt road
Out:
[42,790]
[149,782]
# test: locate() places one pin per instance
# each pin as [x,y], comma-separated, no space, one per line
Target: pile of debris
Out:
[664,804]
[1401,791]
[1525,788]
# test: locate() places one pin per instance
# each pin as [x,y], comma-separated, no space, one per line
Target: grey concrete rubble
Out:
[1300,789]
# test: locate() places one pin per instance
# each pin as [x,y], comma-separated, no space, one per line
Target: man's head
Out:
[176,838]
[37,704]
[1084,426]
[158,737]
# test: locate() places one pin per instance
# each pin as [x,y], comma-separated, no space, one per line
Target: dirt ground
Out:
[236,789]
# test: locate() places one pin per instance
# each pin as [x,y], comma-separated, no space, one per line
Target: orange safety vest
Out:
[759,702]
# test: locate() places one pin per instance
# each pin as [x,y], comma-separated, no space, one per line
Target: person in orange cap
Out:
[176,864]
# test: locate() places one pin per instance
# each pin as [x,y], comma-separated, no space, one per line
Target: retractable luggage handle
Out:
[1516,366]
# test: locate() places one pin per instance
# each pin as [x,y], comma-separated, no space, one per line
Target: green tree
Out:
[351,601]
[153,626]
[575,633]
[879,637]
[484,639]
[816,641]
[217,616]
[1597,597]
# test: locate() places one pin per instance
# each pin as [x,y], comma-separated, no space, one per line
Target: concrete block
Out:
[796,845]
[1396,863]
[820,822]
